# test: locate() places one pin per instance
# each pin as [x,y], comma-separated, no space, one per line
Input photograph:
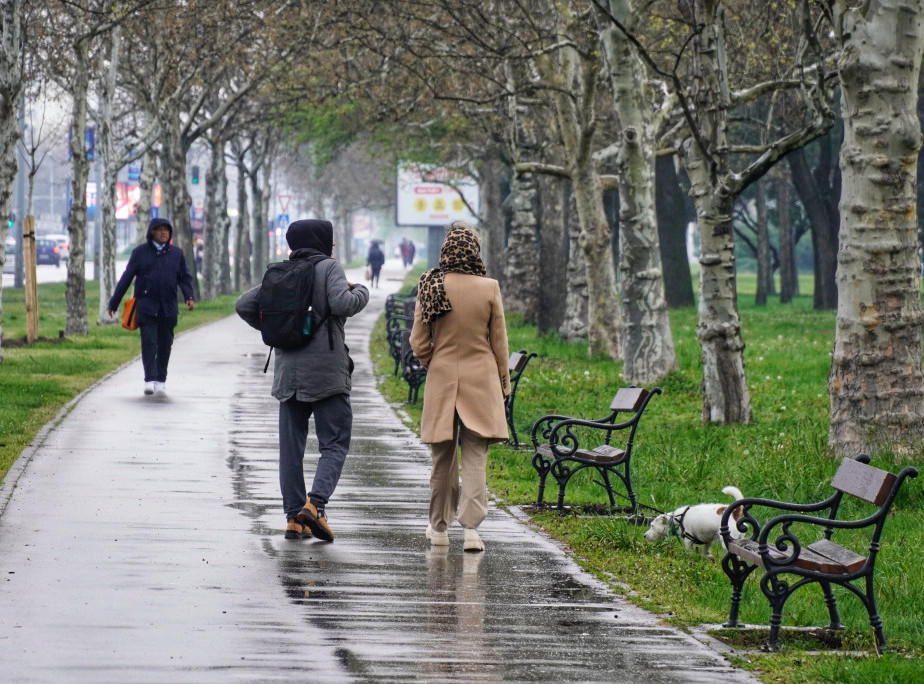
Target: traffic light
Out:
[195,175]
[12,219]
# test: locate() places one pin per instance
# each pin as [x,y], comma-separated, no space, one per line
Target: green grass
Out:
[679,460]
[36,381]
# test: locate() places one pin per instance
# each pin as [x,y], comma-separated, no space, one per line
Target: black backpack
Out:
[287,318]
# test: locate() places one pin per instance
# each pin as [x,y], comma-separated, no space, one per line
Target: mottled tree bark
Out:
[242,274]
[574,325]
[648,348]
[521,262]
[145,196]
[876,385]
[76,289]
[216,278]
[492,215]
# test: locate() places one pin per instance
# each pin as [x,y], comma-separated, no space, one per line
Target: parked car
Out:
[47,251]
[64,245]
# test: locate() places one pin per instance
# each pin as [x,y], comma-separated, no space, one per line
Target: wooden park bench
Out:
[516,364]
[399,317]
[798,543]
[565,445]
[412,370]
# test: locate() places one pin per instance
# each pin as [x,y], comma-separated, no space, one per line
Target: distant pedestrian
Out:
[313,380]
[158,268]
[375,259]
[460,335]
[405,248]
[411,252]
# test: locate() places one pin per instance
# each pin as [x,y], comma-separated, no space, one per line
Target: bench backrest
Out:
[629,399]
[863,481]
[516,362]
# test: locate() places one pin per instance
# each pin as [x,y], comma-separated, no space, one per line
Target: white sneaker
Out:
[160,389]
[472,541]
[149,387]
[437,538]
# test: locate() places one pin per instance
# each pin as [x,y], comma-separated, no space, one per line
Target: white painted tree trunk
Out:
[875,385]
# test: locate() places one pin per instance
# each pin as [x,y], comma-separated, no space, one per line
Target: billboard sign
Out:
[433,195]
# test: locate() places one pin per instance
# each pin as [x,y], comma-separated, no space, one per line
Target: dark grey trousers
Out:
[156,343]
[333,425]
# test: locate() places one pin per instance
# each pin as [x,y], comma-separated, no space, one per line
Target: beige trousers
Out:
[445,494]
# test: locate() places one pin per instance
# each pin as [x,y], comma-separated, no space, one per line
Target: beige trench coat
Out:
[466,353]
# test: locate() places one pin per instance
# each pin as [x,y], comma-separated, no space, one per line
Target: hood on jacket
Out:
[311,234]
[156,222]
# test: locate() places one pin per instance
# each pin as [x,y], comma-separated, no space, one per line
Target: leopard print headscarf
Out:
[460,253]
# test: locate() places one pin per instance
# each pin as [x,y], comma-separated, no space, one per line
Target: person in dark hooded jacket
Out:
[313,380]
[158,268]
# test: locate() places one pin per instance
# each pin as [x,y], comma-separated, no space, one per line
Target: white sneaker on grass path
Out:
[148,387]
[160,389]
[437,538]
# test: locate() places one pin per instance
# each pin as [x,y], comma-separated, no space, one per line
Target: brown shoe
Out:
[316,521]
[295,530]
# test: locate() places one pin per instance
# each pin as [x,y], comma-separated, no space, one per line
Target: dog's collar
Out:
[678,528]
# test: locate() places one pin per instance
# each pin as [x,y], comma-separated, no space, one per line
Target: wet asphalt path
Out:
[141,541]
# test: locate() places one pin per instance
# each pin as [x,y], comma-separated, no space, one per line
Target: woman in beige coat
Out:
[460,335]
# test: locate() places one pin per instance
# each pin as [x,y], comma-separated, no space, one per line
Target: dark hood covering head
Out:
[315,234]
[159,222]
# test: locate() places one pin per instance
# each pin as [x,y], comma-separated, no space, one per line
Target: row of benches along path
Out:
[141,540]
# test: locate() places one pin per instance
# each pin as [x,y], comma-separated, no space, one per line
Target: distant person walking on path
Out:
[375,259]
[158,268]
[460,334]
[313,380]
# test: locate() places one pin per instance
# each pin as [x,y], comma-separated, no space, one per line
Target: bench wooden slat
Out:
[602,454]
[863,481]
[629,399]
[821,556]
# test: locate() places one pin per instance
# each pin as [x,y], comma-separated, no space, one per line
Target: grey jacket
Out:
[315,371]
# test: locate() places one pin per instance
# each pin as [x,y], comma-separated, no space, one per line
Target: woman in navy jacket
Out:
[157,267]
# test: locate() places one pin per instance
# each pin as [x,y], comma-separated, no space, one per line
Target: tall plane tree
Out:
[875,384]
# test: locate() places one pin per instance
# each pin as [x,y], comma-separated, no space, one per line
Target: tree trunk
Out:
[258,248]
[176,192]
[76,288]
[10,92]
[672,234]
[726,398]
[492,215]
[764,267]
[875,384]
[574,325]
[648,348]
[823,226]
[106,195]
[521,258]
[242,273]
[215,270]
[789,271]
[553,253]
[145,196]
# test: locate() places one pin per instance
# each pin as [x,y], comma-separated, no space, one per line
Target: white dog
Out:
[697,524]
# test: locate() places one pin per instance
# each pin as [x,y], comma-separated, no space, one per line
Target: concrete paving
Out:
[141,541]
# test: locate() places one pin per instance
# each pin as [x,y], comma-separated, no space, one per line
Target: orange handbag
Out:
[129,319]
